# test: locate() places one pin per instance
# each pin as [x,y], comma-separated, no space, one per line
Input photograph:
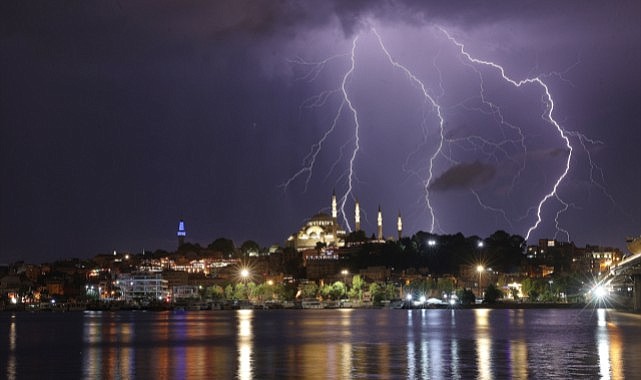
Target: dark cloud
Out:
[464,176]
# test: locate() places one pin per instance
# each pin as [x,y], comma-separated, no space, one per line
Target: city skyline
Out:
[240,118]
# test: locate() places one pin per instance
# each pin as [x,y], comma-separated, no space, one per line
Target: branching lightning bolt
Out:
[547,116]
[513,136]
[441,121]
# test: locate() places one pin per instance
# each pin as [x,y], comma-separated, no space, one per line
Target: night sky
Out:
[117,119]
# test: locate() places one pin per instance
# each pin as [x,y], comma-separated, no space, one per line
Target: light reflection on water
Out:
[11,363]
[252,344]
[245,345]
[483,344]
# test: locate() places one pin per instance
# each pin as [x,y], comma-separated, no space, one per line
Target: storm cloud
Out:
[464,176]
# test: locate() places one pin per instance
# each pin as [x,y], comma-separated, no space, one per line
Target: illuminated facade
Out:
[325,229]
[321,228]
[143,287]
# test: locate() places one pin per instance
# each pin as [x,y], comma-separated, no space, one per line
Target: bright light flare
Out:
[600,292]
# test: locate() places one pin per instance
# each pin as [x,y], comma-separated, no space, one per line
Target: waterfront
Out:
[340,343]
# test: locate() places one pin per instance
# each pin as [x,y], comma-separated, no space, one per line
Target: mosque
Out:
[325,229]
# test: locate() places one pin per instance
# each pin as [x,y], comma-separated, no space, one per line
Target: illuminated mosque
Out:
[325,229]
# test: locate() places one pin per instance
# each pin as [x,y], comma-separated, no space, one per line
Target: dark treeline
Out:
[439,254]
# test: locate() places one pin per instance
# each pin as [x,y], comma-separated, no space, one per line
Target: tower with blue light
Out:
[181,233]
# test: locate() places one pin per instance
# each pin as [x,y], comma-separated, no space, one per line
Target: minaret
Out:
[399,226]
[380,224]
[334,216]
[334,207]
[181,233]
[357,217]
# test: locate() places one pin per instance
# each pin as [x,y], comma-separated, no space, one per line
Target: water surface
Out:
[344,343]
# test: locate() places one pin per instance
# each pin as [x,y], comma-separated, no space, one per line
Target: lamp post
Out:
[479,268]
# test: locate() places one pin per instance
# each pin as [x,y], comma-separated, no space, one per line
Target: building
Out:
[321,264]
[320,228]
[143,286]
[181,233]
[596,260]
[325,229]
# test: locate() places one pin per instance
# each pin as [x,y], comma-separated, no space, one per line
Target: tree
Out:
[505,251]
[229,292]
[226,246]
[515,293]
[358,284]
[309,290]
[249,248]
[445,285]
[285,292]
[334,291]
[466,296]
[527,285]
[215,292]
[240,292]
[492,294]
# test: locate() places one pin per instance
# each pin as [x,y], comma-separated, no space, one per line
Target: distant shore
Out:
[498,305]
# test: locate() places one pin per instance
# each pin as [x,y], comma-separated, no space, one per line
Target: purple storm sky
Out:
[117,119]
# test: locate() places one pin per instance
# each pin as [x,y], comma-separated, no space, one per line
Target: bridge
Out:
[625,275]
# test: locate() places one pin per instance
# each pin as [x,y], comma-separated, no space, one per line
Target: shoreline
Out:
[494,306]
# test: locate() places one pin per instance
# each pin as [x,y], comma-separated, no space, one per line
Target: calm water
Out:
[276,344]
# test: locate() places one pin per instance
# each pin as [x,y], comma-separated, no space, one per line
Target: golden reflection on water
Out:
[333,359]
[518,347]
[345,362]
[610,347]
[245,344]
[337,344]
[483,344]
[116,360]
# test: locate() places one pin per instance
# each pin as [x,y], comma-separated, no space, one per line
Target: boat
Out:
[396,304]
[311,303]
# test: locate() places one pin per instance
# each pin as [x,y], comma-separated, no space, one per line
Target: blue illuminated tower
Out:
[181,233]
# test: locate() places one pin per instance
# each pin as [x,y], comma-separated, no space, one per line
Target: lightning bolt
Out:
[348,101]
[441,122]
[497,151]
[547,116]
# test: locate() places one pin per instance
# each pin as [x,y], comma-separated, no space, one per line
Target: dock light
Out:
[422,299]
[408,297]
[600,292]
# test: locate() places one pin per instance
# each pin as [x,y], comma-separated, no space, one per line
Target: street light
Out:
[480,269]
[344,272]
[244,274]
